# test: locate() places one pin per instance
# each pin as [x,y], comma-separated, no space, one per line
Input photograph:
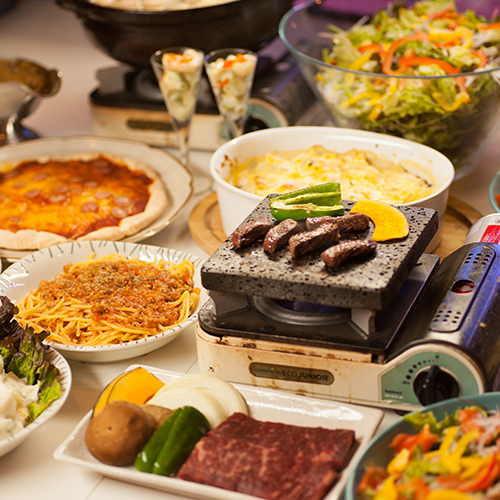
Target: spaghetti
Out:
[111,300]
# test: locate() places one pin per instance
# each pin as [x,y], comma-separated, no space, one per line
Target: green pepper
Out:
[146,458]
[188,428]
[314,201]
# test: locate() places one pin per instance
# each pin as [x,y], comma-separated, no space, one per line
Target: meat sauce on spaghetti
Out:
[111,300]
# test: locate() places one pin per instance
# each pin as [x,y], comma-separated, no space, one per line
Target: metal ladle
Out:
[18,100]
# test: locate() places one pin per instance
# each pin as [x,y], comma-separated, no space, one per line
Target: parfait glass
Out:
[178,71]
[231,73]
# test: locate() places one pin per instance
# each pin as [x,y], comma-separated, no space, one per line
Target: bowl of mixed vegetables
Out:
[428,73]
[446,451]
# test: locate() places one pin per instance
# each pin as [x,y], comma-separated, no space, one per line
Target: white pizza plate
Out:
[177,179]
[64,379]
[264,404]
[25,275]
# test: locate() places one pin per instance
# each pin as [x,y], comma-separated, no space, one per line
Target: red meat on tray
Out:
[269,460]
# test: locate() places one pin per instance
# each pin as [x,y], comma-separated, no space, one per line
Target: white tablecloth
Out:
[41,31]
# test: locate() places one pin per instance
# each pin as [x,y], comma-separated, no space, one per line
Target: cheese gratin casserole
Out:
[362,174]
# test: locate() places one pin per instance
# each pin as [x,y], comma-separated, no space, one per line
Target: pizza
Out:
[87,196]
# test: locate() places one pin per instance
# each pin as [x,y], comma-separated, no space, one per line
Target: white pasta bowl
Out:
[236,204]
[26,274]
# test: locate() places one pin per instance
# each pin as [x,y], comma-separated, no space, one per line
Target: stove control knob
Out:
[434,384]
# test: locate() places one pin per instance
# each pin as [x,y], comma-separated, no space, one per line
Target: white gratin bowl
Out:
[236,204]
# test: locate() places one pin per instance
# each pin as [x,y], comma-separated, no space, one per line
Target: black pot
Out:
[132,37]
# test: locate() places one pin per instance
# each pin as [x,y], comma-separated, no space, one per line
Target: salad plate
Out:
[26,274]
[65,379]
[176,178]
[378,451]
[264,404]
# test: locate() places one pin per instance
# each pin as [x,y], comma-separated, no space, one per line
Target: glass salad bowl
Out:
[455,113]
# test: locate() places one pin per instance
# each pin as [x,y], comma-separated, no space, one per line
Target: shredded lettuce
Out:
[429,104]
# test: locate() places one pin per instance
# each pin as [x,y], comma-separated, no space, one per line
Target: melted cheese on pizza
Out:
[70,198]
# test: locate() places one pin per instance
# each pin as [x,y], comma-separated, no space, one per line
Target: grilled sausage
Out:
[278,236]
[310,241]
[337,255]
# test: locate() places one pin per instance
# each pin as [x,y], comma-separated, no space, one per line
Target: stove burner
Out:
[299,313]
[228,314]
[144,84]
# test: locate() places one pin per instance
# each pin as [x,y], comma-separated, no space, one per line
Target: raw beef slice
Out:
[269,460]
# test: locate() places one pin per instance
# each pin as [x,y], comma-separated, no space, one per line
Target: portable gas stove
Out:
[128,103]
[399,330]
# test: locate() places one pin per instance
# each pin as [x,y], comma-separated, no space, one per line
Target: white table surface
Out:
[42,31]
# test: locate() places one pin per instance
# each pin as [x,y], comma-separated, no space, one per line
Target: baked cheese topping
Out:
[70,198]
[362,175]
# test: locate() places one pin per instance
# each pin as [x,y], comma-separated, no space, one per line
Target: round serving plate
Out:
[64,378]
[25,275]
[176,178]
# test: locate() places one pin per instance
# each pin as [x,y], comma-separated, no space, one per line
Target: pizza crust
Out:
[30,239]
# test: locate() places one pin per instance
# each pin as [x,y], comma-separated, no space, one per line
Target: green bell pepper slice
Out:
[188,428]
[314,201]
[145,460]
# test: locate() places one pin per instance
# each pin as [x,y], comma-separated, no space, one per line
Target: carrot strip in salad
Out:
[444,460]
[430,105]
[406,62]
[397,44]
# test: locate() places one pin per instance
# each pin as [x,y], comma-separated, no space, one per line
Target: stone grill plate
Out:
[364,284]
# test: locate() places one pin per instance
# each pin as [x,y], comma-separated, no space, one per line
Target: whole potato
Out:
[117,434]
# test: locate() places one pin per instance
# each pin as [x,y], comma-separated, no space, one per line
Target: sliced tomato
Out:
[373,476]
[425,438]
[415,488]
[467,417]
[485,478]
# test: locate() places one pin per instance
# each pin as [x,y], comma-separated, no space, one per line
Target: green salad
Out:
[24,354]
[425,73]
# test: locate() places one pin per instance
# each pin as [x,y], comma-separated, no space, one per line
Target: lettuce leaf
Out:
[419,419]
[24,354]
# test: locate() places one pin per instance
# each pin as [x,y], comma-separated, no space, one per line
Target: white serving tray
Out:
[264,404]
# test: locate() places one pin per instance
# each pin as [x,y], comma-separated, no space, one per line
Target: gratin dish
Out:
[25,275]
[65,379]
[378,452]
[264,404]
[235,204]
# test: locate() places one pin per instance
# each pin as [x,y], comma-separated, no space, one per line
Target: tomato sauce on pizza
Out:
[71,197]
